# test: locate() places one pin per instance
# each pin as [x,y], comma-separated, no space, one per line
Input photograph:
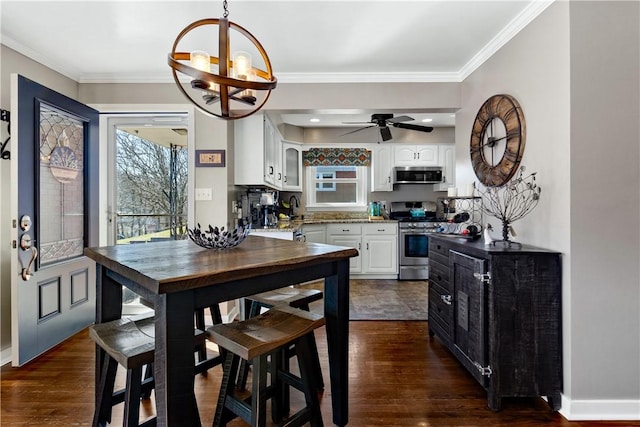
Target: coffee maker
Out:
[260,206]
[268,216]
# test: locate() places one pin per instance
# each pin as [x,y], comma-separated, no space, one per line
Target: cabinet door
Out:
[427,155]
[447,159]
[249,150]
[381,166]
[469,329]
[291,166]
[381,254]
[314,233]
[350,241]
[405,155]
[380,248]
[272,158]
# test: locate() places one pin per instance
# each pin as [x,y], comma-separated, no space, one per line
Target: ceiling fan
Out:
[383,121]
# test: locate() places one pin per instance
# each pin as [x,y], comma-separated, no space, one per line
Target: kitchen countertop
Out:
[293,226]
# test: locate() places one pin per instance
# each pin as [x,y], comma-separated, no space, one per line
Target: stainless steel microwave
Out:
[417,175]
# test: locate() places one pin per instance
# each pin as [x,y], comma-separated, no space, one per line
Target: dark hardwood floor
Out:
[398,377]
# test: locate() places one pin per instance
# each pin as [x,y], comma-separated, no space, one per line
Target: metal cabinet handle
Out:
[389,179]
[367,245]
[279,177]
[270,170]
[345,231]
[446,299]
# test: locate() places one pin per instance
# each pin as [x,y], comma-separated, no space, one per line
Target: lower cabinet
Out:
[377,245]
[314,233]
[349,235]
[380,248]
[498,310]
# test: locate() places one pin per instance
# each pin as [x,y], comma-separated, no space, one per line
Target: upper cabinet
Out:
[261,157]
[381,168]
[447,159]
[416,155]
[291,166]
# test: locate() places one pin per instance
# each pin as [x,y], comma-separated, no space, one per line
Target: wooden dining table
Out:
[179,277]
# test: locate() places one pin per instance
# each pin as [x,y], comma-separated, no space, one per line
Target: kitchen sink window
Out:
[336,187]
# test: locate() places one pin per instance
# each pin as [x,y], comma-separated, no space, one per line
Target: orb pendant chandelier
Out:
[227,86]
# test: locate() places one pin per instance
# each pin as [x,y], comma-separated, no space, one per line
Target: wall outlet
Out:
[204,193]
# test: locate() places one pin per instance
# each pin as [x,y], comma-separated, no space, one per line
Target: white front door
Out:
[54,208]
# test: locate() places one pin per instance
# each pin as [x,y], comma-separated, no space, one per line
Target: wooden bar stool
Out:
[293,297]
[256,339]
[130,343]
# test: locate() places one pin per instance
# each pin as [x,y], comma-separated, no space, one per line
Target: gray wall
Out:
[579,88]
[605,184]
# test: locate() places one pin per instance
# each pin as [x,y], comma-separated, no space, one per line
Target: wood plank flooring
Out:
[398,377]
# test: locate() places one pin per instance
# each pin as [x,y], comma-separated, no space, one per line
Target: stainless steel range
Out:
[415,223]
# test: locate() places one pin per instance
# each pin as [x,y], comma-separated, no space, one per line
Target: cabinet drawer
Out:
[388,228]
[344,229]
[438,306]
[440,330]
[439,274]
[439,248]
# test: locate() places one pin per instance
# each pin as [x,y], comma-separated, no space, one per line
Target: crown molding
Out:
[523,19]
[40,58]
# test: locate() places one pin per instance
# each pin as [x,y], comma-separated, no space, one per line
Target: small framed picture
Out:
[210,158]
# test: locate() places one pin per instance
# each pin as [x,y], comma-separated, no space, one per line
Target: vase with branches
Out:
[511,201]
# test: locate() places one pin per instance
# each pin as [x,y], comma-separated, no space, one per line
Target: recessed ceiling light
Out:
[314,120]
[427,120]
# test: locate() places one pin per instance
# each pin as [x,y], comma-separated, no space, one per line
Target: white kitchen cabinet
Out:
[314,233]
[349,235]
[271,234]
[380,248]
[381,168]
[416,155]
[291,166]
[273,155]
[257,152]
[447,159]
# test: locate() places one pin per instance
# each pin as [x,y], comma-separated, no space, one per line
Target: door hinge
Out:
[14,244]
[485,371]
[485,278]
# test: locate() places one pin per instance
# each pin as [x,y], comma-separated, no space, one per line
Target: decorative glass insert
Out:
[60,186]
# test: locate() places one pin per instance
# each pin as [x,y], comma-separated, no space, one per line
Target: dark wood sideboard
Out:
[498,310]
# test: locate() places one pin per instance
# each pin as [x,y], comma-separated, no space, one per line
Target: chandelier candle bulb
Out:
[200,60]
[241,65]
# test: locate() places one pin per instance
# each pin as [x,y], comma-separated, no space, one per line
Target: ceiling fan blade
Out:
[412,127]
[356,123]
[400,119]
[385,132]
[358,130]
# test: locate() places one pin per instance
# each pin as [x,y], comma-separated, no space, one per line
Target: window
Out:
[336,187]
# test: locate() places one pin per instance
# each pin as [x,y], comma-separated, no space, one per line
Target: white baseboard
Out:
[5,356]
[600,410]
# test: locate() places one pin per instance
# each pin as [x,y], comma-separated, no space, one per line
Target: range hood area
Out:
[417,175]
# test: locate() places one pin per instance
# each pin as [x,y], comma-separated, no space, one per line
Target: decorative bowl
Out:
[218,238]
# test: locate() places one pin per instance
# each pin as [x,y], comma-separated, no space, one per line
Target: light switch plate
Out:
[204,193]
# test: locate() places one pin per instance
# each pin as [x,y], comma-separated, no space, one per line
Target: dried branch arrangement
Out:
[511,201]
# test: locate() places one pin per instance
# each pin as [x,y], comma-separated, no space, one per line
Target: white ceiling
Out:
[306,40]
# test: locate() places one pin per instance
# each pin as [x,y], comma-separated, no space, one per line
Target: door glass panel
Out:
[60,186]
[152,189]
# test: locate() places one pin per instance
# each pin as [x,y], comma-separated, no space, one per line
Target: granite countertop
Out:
[294,225]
